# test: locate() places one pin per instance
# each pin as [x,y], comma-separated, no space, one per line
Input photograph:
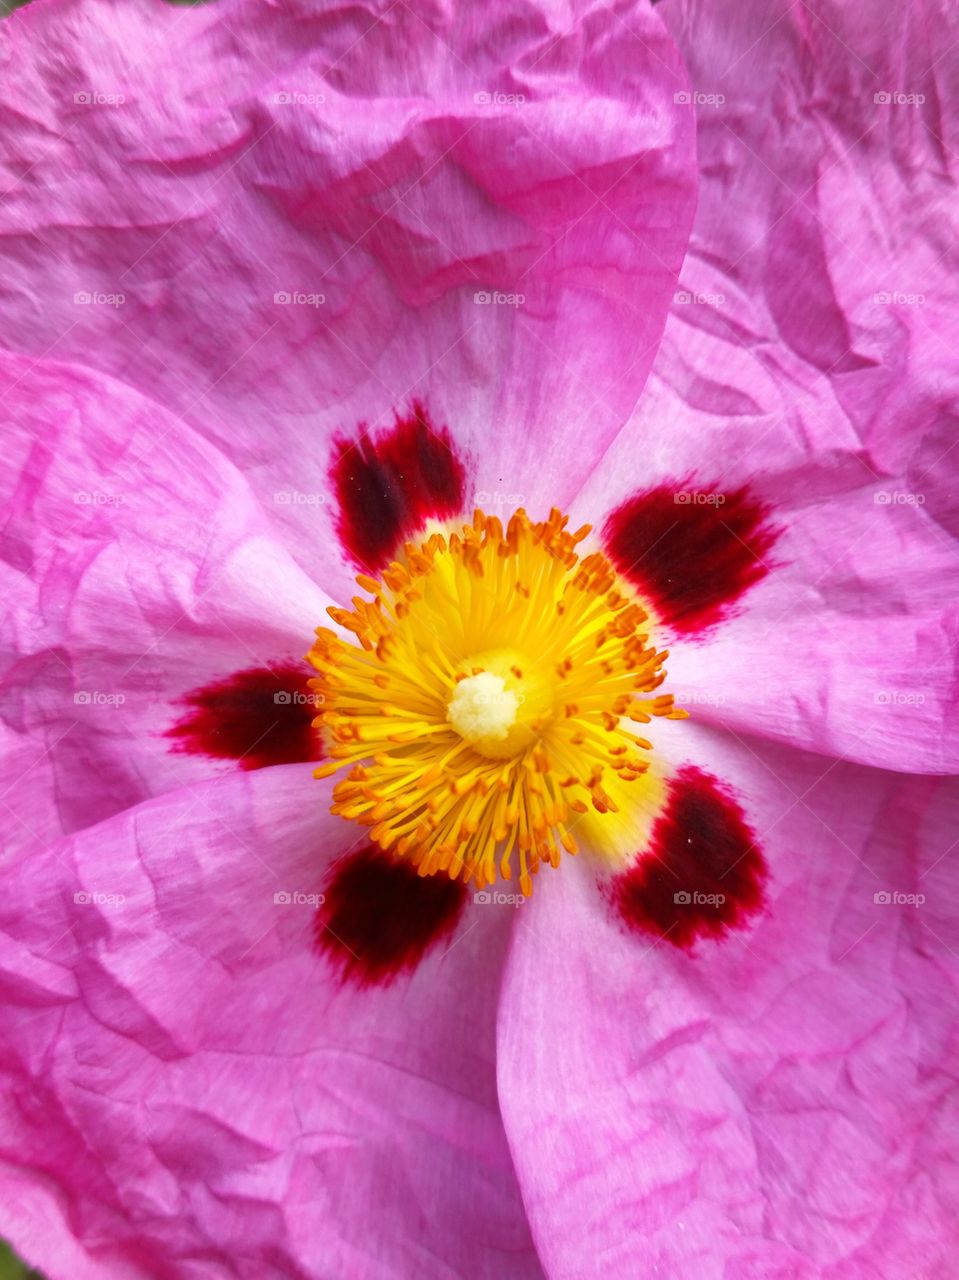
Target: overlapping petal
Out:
[811,355]
[283,232]
[283,227]
[140,567]
[780,1103]
[188,1084]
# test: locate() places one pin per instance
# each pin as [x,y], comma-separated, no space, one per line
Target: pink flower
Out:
[286,289]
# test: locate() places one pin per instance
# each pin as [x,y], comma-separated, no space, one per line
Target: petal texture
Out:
[778,1103]
[141,569]
[312,233]
[811,355]
[186,1072]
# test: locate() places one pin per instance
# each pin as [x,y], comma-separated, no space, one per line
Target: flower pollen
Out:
[485,699]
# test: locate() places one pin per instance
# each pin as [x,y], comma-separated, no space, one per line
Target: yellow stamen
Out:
[483,703]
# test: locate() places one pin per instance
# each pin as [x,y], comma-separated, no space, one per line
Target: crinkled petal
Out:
[141,567]
[848,647]
[283,229]
[191,1088]
[816,326]
[811,355]
[777,1103]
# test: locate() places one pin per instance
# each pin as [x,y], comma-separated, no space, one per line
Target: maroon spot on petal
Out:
[380,918]
[692,551]
[389,486]
[703,873]
[258,717]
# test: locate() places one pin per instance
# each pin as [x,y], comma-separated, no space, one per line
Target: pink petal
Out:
[848,647]
[825,223]
[141,569]
[310,234]
[188,1085]
[810,356]
[779,1103]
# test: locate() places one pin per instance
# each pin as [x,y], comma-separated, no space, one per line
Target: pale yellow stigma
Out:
[482,709]
[486,704]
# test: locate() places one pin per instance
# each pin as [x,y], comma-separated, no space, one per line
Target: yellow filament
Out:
[559,670]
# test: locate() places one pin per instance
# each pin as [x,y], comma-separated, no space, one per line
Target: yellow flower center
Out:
[486,700]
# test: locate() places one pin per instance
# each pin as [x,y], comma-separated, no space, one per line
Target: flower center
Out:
[499,706]
[484,703]
[483,711]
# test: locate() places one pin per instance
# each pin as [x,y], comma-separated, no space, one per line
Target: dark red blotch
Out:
[389,486]
[380,918]
[692,558]
[258,717]
[700,848]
